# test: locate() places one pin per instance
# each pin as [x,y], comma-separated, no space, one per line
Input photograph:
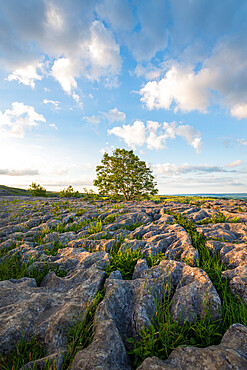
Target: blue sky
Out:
[167,79]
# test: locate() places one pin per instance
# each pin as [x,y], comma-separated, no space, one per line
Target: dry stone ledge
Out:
[48,311]
[231,232]
[234,256]
[129,305]
[231,353]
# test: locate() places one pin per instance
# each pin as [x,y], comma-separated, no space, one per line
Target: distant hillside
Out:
[6,190]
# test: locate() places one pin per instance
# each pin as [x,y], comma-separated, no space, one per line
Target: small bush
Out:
[69,193]
[37,190]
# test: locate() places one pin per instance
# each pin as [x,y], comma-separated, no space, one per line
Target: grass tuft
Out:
[80,335]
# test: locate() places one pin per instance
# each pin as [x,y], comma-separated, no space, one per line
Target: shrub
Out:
[37,190]
[69,193]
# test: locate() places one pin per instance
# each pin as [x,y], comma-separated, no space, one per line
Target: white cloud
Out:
[53,125]
[23,172]
[27,74]
[155,135]
[13,122]
[239,111]
[219,79]
[55,103]
[242,141]
[64,71]
[95,57]
[173,169]
[114,115]
[180,86]
[95,120]
[234,164]
[104,52]
[191,135]
[132,135]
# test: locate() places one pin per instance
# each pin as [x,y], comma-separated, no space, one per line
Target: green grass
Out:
[118,206]
[94,229]
[221,218]
[155,259]
[165,334]
[5,250]
[110,219]
[53,251]
[13,268]
[124,261]
[132,227]
[27,350]
[80,335]
[81,212]
[39,273]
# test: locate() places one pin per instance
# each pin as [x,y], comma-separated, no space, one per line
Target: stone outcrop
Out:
[56,233]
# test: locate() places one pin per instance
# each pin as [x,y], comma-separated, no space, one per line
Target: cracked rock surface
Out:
[79,237]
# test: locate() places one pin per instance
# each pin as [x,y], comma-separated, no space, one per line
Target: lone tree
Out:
[123,175]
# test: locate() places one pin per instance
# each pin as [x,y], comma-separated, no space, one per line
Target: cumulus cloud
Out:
[14,122]
[155,135]
[95,57]
[220,78]
[132,135]
[239,111]
[66,34]
[114,115]
[24,172]
[65,71]
[26,75]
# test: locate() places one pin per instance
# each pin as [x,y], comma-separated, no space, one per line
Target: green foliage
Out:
[14,268]
[240,209]
[39,273]
[69,193]
[94,229]
[80,212]
[133,226]
[123,175]
[37,190]
[81,334]
[165,334]
[154,259]
[124,261]
[5,250]
[27,350]
[110,219]
[118,206]
[89,194]
[52,251]
[221,218]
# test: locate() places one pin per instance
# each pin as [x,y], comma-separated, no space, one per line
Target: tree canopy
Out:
[123,174]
